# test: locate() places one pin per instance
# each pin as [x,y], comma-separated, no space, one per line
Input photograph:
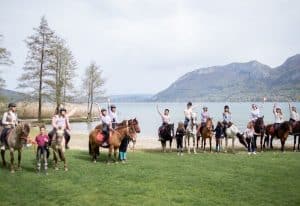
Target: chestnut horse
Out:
[206,133]
[283,132]
[125,129]
[16,138]
[259,129]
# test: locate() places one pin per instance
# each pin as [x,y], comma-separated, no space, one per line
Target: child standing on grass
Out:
[123,150]
[41,154]
[180,132]
[249,133]
[219,136]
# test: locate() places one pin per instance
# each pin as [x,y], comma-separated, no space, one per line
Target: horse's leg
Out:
[19,159]
[226,143]
[282,144]
[12,167]
[188,142]
[295,141]
[194,144]
[204,144]
[115,154]
[298,142]
[3,158]
[233,139]
[63,158]
[261,141]
[266,140]
[55,159]
[210,144]
[109,153]
[271,142]
[171,145]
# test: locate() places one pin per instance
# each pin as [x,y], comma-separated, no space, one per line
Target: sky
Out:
[143,46]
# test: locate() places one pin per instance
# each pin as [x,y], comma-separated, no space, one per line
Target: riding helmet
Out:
[12,105]
[226,107]
[102,110]
[62,110]
[113,106]
[189,104]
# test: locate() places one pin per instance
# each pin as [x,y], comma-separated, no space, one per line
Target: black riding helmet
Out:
[62,110]
[103,110]
[189,104]
[113,106]
[226,107]
[10,105]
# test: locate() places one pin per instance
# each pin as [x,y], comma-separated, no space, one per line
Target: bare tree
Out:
[93,83]
[36,69]
[4,60]
[62,66]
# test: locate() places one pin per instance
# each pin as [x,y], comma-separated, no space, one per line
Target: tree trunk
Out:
[41,82]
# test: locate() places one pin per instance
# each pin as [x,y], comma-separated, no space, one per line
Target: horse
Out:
[191,131]
[126,129]
[282,133]
[166,133]
[296,132]
[58,147]
[231,132]
[259,130]
[16,138]
[206,133]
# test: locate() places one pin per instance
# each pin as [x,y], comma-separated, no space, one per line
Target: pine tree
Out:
[36,68]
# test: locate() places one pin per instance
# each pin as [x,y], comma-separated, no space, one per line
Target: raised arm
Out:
[99,109]
[274,109]
[158,111]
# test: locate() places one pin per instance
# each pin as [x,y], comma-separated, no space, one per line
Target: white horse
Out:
[191,131]
[231,133]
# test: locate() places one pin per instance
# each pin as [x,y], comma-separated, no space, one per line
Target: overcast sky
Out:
[143,46]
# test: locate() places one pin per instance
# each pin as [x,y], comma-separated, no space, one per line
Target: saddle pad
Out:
[100,137]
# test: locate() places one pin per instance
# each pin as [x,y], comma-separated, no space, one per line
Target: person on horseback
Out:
[278,117]
[112,112]
[188,113]
[255,113]
[294,115]
[9,121]
[60,119]
[165,120]
[106,125]
[226,118]
[204,116]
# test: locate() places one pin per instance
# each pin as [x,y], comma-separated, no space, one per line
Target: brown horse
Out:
[296,132]
[282,133]
[57,145]
[125,129]
[206,133]
[16,138]
[259,128]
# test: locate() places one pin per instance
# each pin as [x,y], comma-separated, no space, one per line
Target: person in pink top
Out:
[41,153]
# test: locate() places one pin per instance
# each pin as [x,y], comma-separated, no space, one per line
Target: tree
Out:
[4,60]
[93,83]
[36,68]
[62,68]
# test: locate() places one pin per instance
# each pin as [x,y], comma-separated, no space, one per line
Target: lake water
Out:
[150,120]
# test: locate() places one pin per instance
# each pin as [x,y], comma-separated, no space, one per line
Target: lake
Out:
[150,120]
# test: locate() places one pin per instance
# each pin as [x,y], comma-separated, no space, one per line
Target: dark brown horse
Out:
[206,133]
[16,138]
[125,129]
[282,133]
[166,133]
[296,133]
[259,129]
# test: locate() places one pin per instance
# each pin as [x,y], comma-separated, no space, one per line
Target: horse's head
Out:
[131,131]
[22,131]
[59,136]
[135,123]
[209,123]
[286,127]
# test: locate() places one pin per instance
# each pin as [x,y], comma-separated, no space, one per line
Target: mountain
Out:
[250,81]
[131,98]
[12,96]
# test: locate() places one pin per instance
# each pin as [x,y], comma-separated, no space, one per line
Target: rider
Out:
[9,121]
[188,113]
[106,125]
[255,113]
[204,116]
[165,119]
[278,117]
[294,115]
[61,120]
[112,111]
[226,118]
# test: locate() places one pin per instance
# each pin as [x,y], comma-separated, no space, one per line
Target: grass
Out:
[153,178]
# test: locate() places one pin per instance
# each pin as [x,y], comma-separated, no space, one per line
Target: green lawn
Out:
[153,178]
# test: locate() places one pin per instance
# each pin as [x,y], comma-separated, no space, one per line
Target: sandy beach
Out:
[80,141]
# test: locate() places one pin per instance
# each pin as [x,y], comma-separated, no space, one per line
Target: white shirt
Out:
[204,116]
[165,118]
[227,117]
[9,118]
[106,120]
[188,113]
[278,117]
[255,114]
[294,115]
[113,116]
